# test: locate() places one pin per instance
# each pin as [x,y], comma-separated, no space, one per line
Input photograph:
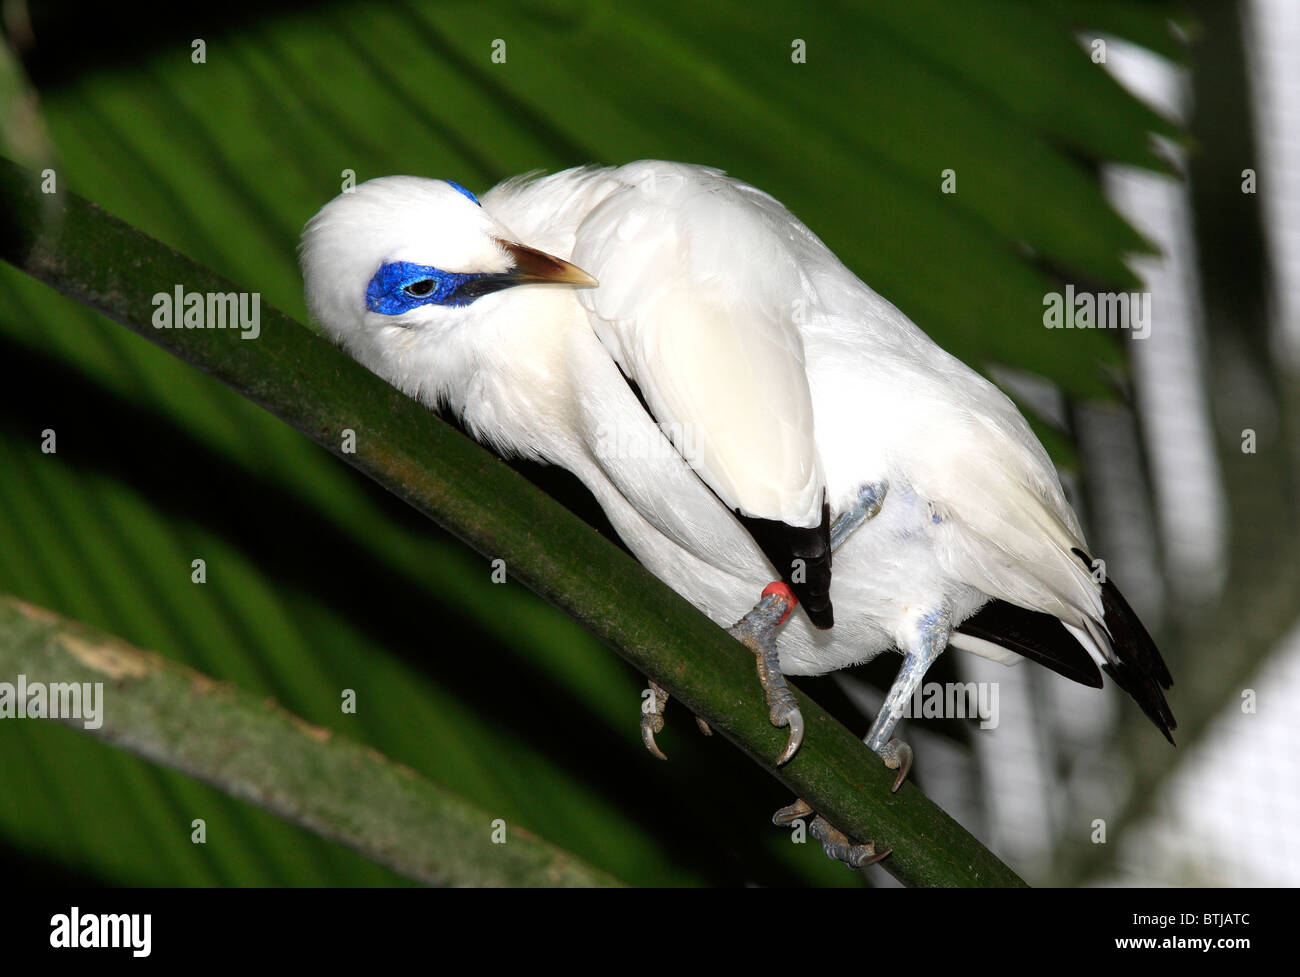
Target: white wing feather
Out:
[1010,531]
[718,357]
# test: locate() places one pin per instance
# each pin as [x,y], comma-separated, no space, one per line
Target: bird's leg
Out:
[870,499]
[757,629]
[924,645]
[757,632]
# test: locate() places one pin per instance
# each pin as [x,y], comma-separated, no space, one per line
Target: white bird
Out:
[739,403]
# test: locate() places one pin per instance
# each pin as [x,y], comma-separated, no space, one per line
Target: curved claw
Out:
[866,856]
[648,737]
[652,718]
[793,719]
[897,755]
[791,813]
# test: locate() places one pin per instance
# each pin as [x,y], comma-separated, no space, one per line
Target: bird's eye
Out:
[419,289]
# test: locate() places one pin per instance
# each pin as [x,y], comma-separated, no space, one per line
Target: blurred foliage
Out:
[317,581]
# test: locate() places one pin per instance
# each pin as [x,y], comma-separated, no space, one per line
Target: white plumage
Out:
[775,382]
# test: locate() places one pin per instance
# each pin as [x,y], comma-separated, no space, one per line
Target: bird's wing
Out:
[1002,522]
[696,304]
[699,294]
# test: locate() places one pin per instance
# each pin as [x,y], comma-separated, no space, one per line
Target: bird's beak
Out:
[533,267]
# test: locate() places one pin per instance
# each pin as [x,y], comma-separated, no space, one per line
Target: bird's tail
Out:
[1135,663]
[1119,644]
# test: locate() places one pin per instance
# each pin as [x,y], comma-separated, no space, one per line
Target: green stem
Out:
[252,749]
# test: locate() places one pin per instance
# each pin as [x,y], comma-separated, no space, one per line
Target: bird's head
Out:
[397,266]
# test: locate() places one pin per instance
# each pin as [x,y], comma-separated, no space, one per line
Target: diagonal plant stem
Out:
[71,245]
[252,749]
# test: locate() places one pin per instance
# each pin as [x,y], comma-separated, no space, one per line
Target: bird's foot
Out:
[834,842]
[757,631]
[652,718]
[897,755]
[654,699]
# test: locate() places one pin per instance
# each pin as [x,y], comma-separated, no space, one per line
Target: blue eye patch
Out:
[400,286]
[462,191]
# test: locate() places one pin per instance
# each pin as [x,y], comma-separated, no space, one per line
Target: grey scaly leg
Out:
[757,631]
[870,499]
[927,643]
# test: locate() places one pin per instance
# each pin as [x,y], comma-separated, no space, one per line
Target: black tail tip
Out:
[1148,695]
[1139,671]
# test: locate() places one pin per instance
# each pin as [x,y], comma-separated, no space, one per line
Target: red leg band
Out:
[786,594]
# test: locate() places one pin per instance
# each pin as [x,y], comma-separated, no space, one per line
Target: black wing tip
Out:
[784,544]
[822,618]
